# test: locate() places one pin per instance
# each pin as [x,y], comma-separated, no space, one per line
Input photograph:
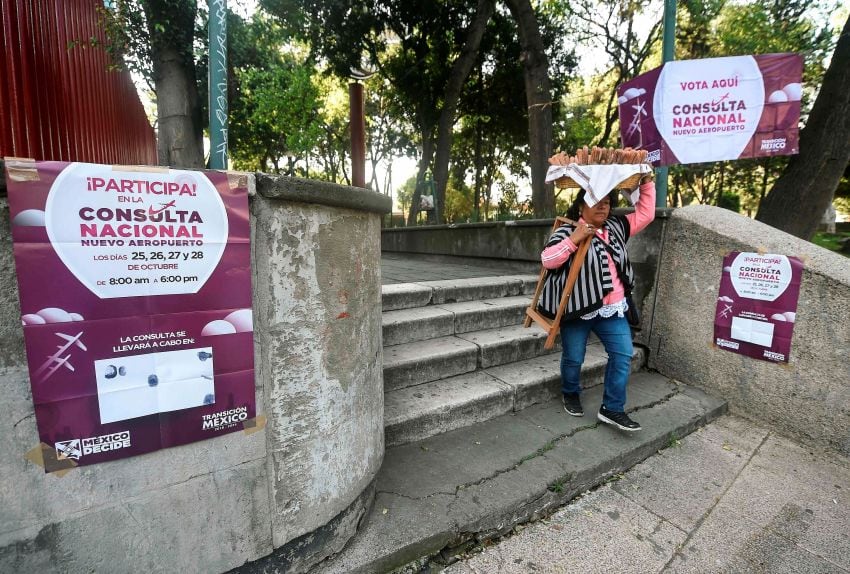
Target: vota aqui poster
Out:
[693,111]
[135,292]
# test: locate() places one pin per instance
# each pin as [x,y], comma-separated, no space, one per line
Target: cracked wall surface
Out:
[320,324]
[214,505]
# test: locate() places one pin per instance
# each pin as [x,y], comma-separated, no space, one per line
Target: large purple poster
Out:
[715,109]
[757,305]
[135,291]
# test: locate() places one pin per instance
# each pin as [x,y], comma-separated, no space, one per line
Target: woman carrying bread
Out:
[598,301]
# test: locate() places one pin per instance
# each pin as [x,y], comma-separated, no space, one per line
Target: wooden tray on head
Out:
[600,156]
[628,184]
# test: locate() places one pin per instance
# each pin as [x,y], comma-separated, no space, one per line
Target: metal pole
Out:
[357,120]
[667,54]
[218,83]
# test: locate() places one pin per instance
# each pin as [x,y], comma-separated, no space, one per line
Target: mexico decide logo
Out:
[68,449]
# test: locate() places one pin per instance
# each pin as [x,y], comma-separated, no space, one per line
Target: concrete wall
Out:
[516,240]
[319,333]
[288,495]
[808,399]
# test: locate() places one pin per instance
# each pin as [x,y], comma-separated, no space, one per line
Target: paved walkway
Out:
[414,268]
[731,497]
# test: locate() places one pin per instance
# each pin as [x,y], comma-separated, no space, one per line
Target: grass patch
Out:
[830,241]
[558,486]
[545,448]
[674,441]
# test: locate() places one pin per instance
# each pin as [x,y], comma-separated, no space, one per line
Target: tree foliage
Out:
[415,46]
[289,68]
[629,34]
[714,28]
[279,118]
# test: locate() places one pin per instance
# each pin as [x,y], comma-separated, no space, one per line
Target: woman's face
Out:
[597,214]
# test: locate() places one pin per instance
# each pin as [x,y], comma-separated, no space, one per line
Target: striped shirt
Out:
[595,279]
[557,253]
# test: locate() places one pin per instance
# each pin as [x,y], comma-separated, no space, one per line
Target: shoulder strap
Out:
[608,248]
[578,261]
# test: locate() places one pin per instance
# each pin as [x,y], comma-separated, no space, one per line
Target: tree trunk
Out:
[721,180]
[806,187]
[457,78]
[677,193]
[424,162]
[764,177]
[179,122]
[476,202]
[611,115]
[488,180]
[539,100]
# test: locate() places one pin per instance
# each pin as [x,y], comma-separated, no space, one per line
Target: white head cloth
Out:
[599,179]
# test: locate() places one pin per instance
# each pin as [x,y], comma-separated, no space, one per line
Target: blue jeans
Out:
[616,337]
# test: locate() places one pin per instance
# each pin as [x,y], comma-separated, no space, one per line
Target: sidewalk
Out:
[731,497]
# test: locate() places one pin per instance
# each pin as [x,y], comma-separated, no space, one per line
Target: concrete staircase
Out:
[456,354]
[477,439]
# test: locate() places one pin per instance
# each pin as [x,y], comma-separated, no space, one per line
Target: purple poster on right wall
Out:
[757,305]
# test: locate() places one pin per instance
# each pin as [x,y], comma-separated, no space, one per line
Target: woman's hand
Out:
[582,232]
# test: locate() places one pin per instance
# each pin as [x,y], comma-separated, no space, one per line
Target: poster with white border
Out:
[135,292]
[714,109]
[757,305]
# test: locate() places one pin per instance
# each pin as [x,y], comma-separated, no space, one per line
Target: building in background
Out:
[59,99]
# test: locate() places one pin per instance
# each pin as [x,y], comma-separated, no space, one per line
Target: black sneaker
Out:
[572,404]
[619,420]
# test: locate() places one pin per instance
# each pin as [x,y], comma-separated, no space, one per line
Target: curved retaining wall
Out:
[807,399]
[285,497]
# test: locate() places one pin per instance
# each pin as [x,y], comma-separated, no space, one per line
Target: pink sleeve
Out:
[556,255]
[644,210]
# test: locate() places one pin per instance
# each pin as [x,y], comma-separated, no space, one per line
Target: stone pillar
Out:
[317,316]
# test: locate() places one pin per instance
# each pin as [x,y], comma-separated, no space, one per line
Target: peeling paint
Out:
[321,308]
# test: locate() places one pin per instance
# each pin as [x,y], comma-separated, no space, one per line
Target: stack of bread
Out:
[599,156]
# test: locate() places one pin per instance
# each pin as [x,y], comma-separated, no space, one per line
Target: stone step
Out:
[471,485]
[415,413]
[411,295]
[419,362]
[432,321]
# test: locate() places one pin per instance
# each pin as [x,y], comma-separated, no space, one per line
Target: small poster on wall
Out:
[757,305]
[135,291]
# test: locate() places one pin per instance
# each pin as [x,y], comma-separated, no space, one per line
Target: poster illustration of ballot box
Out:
[757,305]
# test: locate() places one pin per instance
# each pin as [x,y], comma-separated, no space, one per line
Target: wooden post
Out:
[358,134]
[553,326]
